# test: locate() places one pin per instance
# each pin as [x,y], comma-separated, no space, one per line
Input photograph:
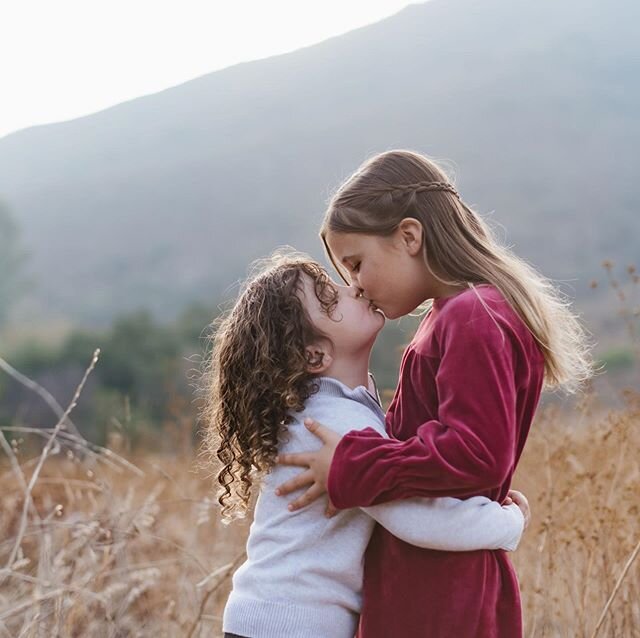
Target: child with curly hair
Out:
[297,345]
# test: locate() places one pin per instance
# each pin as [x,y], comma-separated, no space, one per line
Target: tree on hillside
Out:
[12,260]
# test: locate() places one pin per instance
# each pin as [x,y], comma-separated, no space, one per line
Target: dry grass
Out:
[580,471]
[92,544]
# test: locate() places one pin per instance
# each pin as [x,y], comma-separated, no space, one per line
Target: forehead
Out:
[308,284]
[347,246]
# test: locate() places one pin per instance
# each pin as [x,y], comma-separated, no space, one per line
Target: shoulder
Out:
[474,304]
[479,312]
[340,414]
[469,302]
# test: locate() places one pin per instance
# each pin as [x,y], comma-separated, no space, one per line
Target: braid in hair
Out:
[421,187]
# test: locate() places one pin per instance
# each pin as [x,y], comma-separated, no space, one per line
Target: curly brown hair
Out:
[256,371]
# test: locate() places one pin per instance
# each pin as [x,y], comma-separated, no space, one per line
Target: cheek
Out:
[376,281]
[379,268]
[352,317]
[324,323]
[366,278]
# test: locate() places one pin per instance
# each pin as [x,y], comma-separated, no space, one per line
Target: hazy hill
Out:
[165,199]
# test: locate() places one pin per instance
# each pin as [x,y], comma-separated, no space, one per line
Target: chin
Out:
[400,312]
[390,314]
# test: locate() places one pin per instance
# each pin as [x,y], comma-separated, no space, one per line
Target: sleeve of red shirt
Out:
[469,448]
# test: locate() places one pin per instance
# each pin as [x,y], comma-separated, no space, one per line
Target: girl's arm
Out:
[451,524]
[470,448]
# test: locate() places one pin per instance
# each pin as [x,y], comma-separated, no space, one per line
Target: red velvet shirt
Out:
[470,382]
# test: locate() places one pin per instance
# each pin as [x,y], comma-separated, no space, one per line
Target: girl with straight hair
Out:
[496,332]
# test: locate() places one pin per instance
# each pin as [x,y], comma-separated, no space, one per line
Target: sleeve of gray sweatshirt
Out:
[443,523]
[451,524]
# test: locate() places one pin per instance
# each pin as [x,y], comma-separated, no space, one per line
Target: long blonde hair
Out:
[460,250]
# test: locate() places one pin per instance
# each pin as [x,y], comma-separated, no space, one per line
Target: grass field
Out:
[115,543]
[121,543]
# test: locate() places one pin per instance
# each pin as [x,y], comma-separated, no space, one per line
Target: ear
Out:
[410,234]
[318,358]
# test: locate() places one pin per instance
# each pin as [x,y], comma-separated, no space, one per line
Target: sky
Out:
[61,60]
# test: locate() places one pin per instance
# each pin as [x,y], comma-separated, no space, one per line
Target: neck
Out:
[352,371]
[445,290]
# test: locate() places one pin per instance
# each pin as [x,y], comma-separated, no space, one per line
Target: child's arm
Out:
[468,449]
[451,524]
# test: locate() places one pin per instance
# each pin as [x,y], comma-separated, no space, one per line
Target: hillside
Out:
[164,199]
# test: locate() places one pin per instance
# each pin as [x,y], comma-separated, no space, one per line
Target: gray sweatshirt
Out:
[303,573]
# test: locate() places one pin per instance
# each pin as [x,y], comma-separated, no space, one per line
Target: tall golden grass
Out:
[102,542]
[93,544]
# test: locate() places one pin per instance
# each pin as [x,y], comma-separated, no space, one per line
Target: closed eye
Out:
[356,267]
